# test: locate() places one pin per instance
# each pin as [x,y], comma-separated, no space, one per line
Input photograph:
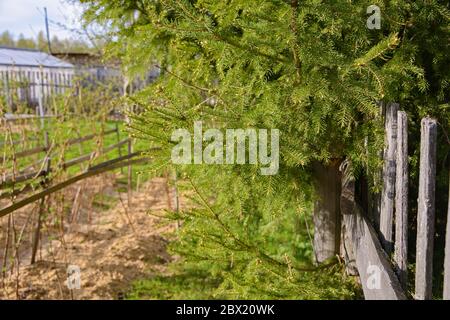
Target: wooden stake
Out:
[401,200]
[388,192]
[447,252]
[426,207]
[37,233]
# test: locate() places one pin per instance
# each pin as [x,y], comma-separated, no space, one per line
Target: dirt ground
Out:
[111,247]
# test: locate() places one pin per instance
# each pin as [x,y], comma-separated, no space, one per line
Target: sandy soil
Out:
[117,246]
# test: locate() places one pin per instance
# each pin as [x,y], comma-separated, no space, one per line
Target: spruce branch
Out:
[294,29]
[251,248]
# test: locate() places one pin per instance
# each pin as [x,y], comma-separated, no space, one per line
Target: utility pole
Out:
[48,31]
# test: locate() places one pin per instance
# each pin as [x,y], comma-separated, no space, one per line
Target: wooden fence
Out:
[378,252]
[34,84]
[25,174]
[26,178]
[380,256]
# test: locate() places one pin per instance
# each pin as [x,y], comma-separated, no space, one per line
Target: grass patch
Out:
[191,285]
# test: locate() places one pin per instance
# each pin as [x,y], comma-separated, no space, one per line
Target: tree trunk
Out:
[327,210]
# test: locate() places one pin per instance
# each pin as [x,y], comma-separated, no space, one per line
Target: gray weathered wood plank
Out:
[388,191]
[426,207]
[378,279]
[347,208]
[364,249]
[401,200]
[447,252]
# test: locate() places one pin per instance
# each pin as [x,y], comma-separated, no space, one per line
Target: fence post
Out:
[327,217]
[401,200]
[41,99]
[388,191]
[447,252]
[426,206]
[7,92]
[37,232]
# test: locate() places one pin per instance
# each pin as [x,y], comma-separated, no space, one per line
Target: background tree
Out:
[6,39]
[40,43]
[26,43]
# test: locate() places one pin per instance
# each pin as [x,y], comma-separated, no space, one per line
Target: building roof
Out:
[87,59]
[30,58]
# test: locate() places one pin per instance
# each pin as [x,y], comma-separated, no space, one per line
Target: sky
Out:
[27,17]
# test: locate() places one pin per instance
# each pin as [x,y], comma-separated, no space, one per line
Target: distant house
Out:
[91,67]
[32,76]
[94,69]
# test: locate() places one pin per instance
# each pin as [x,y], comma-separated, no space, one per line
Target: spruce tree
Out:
[310,68]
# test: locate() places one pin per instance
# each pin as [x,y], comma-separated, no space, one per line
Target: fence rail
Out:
[24,176]
[364,249]
[23,117]
[369,249]
[90,155]
[120,162]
